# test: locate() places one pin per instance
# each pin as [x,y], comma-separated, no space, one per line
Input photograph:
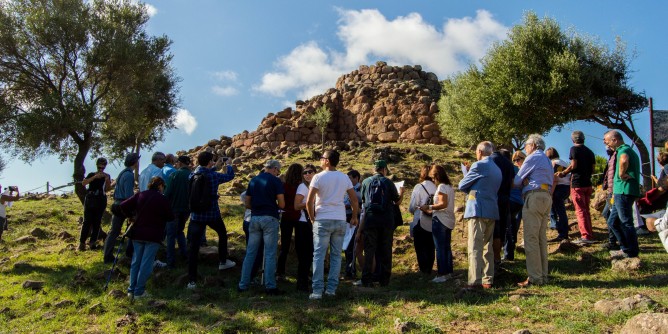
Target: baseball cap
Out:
[380,164]
[272,164]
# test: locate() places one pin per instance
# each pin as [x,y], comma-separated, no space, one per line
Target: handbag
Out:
[430,201]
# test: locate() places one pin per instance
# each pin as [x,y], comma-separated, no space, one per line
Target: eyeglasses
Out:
[518,159]
[326,158]
[101,166]
[306,172]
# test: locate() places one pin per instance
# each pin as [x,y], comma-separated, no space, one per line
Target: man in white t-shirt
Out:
[328,213]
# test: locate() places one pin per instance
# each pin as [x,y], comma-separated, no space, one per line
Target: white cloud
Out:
[368,35]
[151,10]
[226,75]
[224,91]
[185,121]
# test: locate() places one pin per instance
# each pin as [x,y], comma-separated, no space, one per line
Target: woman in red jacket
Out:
[152,214]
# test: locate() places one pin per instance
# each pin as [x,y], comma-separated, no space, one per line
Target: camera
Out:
[13,188]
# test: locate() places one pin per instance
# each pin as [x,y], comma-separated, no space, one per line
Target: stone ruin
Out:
[377,104]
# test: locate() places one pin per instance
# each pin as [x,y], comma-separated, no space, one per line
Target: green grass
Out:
[563,306]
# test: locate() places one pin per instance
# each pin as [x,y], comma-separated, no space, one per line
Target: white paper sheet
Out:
[350,234]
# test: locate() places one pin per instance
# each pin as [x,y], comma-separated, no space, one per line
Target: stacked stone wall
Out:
[377,103]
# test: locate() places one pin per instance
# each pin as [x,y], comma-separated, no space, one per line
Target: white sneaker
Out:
[130,295]
[315,296]
[191,286]
[357,283]
[441,279]
[227,265]
[143,295]
[159,264]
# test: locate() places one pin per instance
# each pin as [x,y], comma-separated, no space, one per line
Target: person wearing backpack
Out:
[481,184]
[265,199]
[378,196]
[204,211]
[423,194]
[328,213]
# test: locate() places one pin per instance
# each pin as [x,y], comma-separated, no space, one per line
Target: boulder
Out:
[647,323]
[611,306]
[626,264]
[39,233]
[33,285]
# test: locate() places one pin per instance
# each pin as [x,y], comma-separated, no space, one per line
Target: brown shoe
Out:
[525,284]
[487,286]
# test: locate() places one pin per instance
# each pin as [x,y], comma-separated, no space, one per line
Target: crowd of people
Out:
[331,213]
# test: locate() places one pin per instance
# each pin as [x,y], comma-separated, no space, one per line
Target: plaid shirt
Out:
[215,179]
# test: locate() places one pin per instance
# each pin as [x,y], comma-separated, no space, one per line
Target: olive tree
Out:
[80,77]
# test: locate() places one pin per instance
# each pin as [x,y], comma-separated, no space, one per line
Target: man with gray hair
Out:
[625,191]
[154,169]
[536,177]
[481,183]
[581,168]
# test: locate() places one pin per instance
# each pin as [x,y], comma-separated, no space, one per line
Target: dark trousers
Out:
[501,225]
[378,243]
[3,221]
[260,251]
[620,223]
[286,241]
[304,248]
[197,229]
[512,229]
[110,242]
[442,239]
[175,235]
[423,241]
[91,224]
[558,212]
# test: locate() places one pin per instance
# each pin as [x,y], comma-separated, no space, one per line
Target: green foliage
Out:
[321,116]
[539,78]
[79,76]
[597,177]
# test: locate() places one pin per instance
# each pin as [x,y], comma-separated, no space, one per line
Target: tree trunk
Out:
[79,169]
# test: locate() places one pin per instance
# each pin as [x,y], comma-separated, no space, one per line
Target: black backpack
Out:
[377,196]
[199,193]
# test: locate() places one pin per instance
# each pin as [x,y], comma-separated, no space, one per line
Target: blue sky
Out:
[239,60]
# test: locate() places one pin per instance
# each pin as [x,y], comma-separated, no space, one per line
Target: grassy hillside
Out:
[73,299]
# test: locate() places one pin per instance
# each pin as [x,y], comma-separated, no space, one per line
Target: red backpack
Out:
[289,212]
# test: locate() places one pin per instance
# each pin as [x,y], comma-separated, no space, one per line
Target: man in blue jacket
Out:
[481,185]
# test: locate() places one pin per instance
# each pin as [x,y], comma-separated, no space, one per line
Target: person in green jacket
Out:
[177,193]
[625,191]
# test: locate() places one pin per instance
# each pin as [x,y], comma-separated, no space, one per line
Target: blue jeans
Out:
[258,259]
[262,228]
[174,231]
[620,223]
[327,233]
[142,265]
[442,239]
[558,217]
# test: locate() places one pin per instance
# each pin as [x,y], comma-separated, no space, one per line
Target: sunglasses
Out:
[306,172]
[518,159]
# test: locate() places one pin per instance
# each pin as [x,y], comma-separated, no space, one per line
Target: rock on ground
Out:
[626,264]
[610,306]
[654,323]
[33,285]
